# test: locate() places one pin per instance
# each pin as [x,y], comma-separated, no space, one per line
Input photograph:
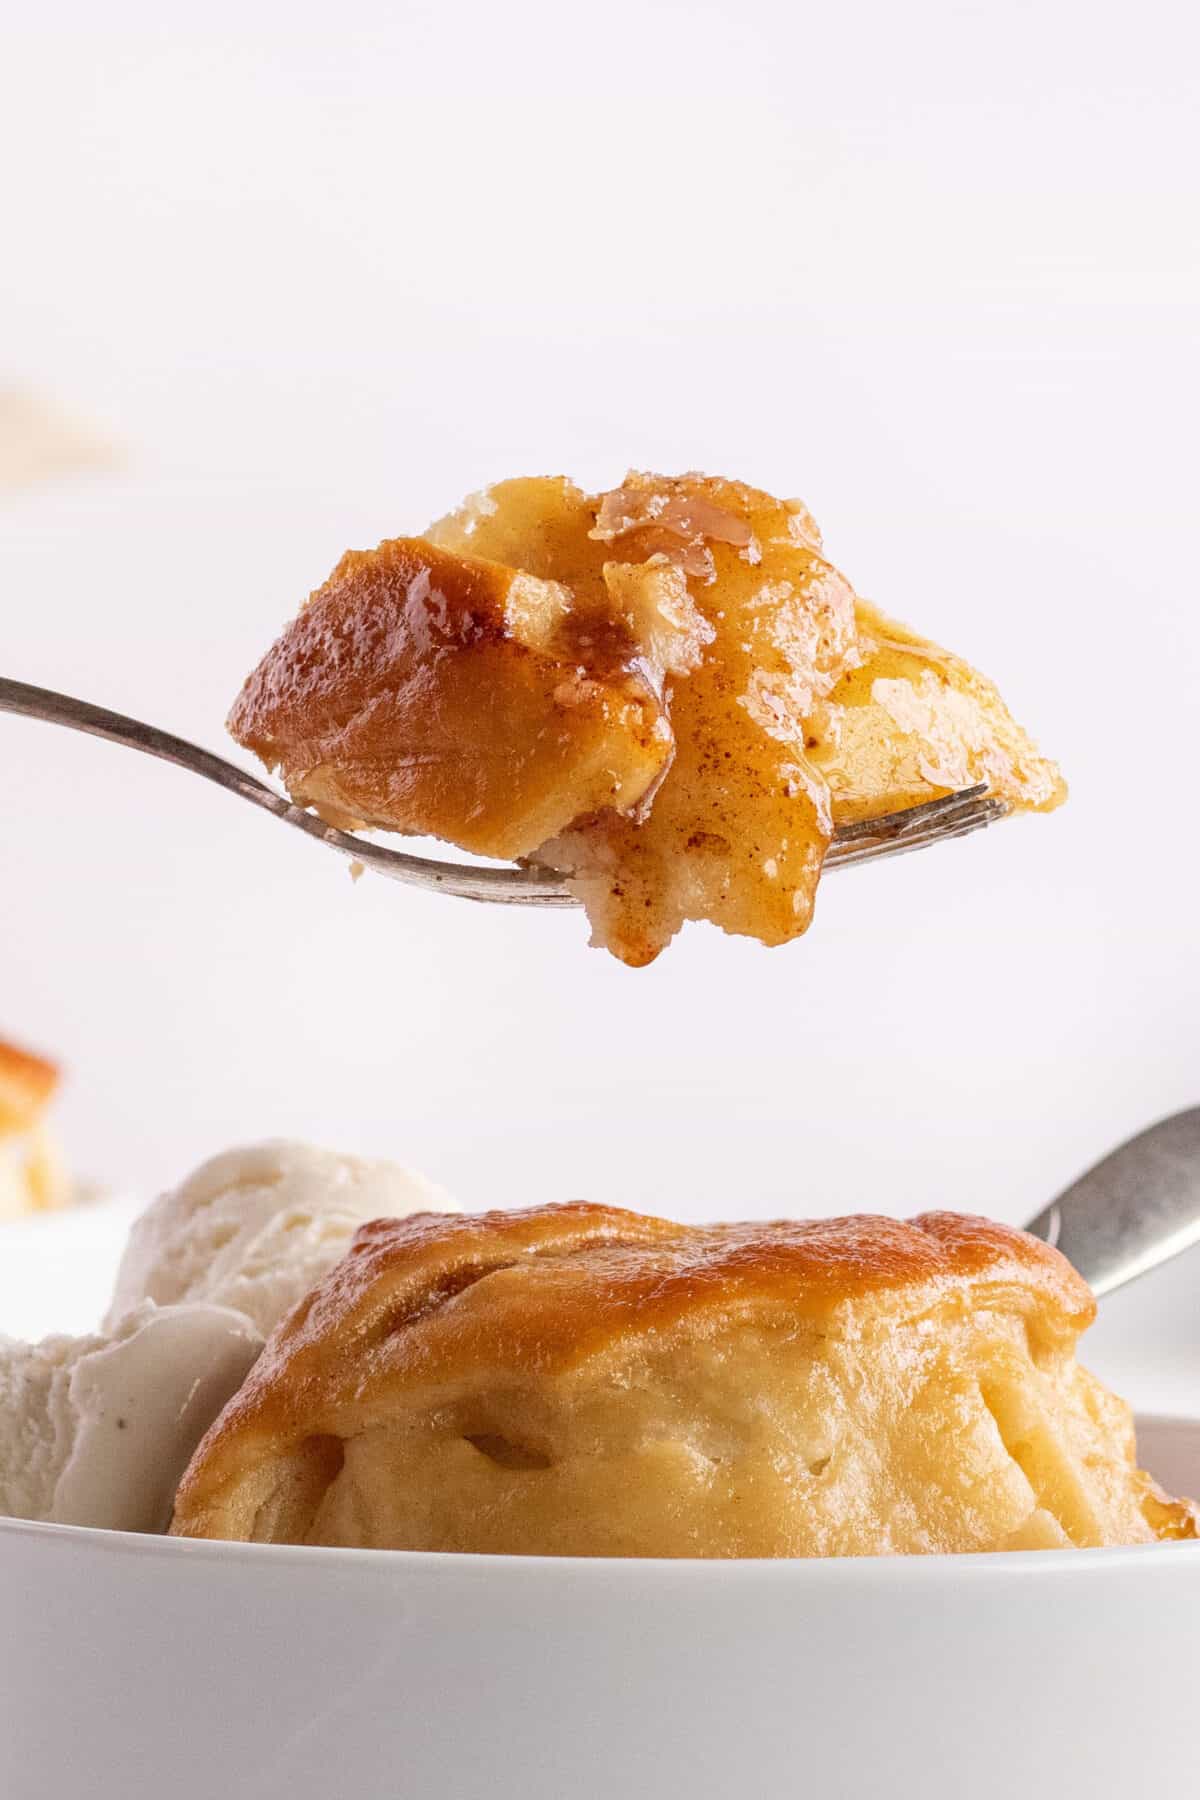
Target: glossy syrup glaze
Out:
[805,709]
[665,692]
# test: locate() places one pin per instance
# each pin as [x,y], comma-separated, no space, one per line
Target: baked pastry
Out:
[448,695]
[665,692]
[32,1175]
[578,1380]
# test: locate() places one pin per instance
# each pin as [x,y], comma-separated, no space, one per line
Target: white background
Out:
[320,271]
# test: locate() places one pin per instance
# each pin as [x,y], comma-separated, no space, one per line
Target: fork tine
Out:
[912,818]
[961,824]
[870,840]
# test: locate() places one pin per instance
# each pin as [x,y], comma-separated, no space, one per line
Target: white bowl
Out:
[136,1666]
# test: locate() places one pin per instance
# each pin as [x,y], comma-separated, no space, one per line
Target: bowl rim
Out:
[884,1571]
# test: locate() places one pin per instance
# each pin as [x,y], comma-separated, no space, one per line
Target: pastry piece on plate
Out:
[578,1380]
[665,692]
[33,1177]
[40,442]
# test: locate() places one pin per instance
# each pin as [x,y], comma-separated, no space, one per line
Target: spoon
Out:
[1138,1207]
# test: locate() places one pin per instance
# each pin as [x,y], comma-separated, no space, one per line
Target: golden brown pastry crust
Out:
[33,1177]
[26,1085]
[582,1380]
[671,705]
[450,697]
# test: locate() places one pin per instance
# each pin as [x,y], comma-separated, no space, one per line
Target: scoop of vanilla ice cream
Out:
[98,1430]
[256,1228]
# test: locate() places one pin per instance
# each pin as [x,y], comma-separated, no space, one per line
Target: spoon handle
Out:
[1137,1208]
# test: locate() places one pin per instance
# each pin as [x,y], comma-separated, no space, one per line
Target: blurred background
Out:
[279,280]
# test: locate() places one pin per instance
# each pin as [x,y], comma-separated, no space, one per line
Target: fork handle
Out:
[533,887]
[29,702]
[894,834]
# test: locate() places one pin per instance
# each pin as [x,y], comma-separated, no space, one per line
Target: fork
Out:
[894,834]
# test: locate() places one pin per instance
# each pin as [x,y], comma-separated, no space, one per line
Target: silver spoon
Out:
[892,835]
[1138,1207]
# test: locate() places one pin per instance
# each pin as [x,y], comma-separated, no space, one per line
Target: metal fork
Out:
[895,834]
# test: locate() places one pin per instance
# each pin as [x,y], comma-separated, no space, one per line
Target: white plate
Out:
[134,1666]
